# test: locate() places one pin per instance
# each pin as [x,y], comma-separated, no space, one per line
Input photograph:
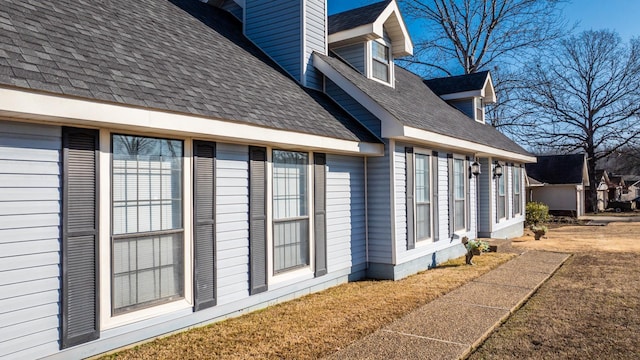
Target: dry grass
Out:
[588,309]
[316,325]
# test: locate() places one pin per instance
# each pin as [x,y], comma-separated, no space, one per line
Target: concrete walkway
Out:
[451,326]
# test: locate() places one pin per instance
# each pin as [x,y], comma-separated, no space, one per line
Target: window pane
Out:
[289,184]
[290,244]
[380,52]
[147,199]
[146,270]
[458,192]
[459,215]
[290,237]
[423,192]
[380,71]
[423,221]
[147,184]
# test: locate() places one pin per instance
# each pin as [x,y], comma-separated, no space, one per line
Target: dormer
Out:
[369,38]
[468,93]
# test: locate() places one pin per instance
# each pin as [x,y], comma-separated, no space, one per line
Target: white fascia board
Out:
[390,125]
[401,47]
[432,139]
[462,95]
[488,91]
[361,32]
[27,105]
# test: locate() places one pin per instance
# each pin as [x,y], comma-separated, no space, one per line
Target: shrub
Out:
[536,213]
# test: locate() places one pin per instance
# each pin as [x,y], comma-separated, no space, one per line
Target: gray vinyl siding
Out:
[400,177]
[232,228]
[353,107]
[484,197]
[379,205]
[315,36]
[345,212]
[354,55]
[466,106]
[280,39]
[29,239]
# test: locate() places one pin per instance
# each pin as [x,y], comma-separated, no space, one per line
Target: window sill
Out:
[143,314]
[285,278]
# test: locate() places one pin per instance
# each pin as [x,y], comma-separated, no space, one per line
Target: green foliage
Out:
[477,244]
[537,213]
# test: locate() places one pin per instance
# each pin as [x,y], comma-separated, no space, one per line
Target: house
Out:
[631,189]
[559,181]
[168,164]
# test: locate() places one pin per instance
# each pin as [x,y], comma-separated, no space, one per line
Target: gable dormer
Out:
[369,38]
[468,93]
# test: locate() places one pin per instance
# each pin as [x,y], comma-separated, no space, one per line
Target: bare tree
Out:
[475,34]
[585,97]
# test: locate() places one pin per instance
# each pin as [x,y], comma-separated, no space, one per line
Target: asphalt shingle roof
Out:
[356,17]
[178,55]
[557,169]
[456,84]
[413,104]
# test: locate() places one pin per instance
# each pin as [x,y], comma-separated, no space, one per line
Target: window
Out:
[516,191]
[423,197]
[480,110]
[502,208]
[380,55]
[459,194]
[290,213]
[147,230]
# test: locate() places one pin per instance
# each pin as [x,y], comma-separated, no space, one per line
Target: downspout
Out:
[366,214]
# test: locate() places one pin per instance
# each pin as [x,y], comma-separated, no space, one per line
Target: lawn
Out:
[315,325]
[590,309]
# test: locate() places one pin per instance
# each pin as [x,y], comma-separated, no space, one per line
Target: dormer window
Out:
[480,110]
[380,61]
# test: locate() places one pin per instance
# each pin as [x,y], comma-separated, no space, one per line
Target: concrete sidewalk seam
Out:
[425,337]
[501,284]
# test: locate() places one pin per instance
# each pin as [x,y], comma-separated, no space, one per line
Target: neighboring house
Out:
[632,187]
[559,181]
[165,165]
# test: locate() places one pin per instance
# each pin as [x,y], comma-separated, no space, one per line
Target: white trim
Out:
[450,143]
[107,319]
[303,43]
[392,128]
[392,198]
[375,30]
[24,105]
[309,270]
[429,154]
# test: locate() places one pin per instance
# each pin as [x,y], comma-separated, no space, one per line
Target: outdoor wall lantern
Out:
[497,170]
[475,168]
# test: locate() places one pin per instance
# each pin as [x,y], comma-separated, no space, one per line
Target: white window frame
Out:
[107,319]
[502,198]
[480,109]
[517,190]
[429,155]
[281,279]
[463,229]
[371,60]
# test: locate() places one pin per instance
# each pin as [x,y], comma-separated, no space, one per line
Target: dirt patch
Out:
[319,324]
[614,237]
[587,310]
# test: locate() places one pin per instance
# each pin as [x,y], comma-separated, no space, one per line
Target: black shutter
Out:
[320,212]
[467,200]
[79,297]
[434,187]
[410,188]
[258,219]
[204,227]
[451,196]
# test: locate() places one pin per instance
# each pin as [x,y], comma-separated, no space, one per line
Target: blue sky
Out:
[622,16]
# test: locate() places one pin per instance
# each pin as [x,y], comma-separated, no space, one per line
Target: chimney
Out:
[289,31]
